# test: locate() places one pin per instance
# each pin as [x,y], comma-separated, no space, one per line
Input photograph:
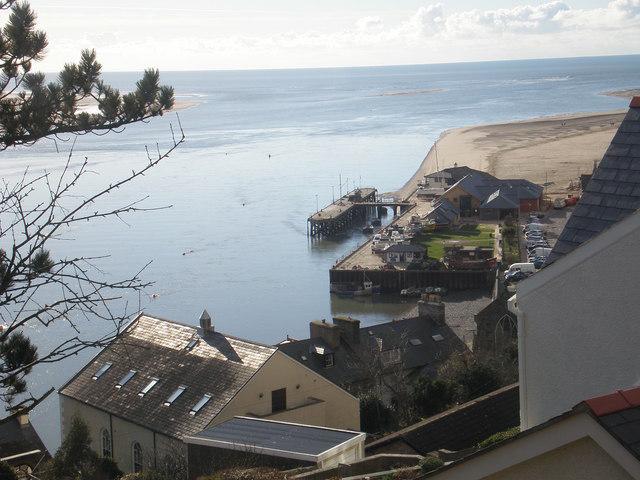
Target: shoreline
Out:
[555,148]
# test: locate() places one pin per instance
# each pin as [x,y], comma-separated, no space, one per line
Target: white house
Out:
[404,253]
[578,324]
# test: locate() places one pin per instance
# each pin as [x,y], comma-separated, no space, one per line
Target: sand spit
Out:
[630,93]
[548,149]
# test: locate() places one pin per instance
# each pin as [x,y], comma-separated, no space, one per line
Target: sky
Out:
[254,34]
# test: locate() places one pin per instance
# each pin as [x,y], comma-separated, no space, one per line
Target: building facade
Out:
[578,332]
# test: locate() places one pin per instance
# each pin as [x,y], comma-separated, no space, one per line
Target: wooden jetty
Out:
[339,215]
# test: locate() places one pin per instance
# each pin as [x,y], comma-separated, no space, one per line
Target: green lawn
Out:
[471,235]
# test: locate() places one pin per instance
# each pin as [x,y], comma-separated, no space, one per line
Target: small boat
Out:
[376,222]
[367,229]
[348,289]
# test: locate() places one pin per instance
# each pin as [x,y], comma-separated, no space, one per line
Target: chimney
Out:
[23,419]
[205,323]
[349,328]
[635,102]
[432,307]
[329,332]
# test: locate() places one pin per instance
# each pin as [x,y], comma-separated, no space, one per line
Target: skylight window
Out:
[415,342]
[102,370]
[437,337]
[203,401]
[175,395]
[123,381]
[192,343]
[150,385]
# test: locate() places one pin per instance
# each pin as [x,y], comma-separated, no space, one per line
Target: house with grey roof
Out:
[161,381]
[613,191]
[21,446]
[359,358]
[401,252]
[482,194]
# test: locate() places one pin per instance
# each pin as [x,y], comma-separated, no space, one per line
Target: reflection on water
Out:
[374,309]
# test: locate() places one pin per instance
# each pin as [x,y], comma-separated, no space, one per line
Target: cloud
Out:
[431,34]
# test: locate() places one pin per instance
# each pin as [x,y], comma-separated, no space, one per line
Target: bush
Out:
[499,437]
[430,463]
[430,397]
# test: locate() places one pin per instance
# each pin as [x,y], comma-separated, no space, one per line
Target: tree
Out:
[35,287]
[6,472]
[75,460]
[430,396]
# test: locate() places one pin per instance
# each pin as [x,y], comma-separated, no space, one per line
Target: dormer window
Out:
[203,401]
[152,383]
[123,381]
[174,396]
[328,360]
[101,371]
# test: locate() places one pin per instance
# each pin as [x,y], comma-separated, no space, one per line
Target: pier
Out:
[356,204]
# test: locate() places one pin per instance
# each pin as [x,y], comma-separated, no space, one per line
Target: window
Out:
[203,401]
[279,400]
[390,357]
[437,337]
[123,381]
[150,385]
[102,370]
[106,443]
[192,343]
[175,395]
[328,360]
[415,342]
[136,457]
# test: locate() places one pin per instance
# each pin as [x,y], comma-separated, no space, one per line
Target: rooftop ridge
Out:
[614,402]
[197,328]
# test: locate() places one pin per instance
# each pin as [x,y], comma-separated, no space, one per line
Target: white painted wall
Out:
[579,325]
[124,434]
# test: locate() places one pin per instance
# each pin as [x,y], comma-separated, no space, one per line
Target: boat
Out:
[367,229]
[376,222]
[354,289]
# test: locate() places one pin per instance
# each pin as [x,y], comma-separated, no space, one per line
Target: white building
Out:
[579,324]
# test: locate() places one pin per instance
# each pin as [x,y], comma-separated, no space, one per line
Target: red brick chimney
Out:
[635,102]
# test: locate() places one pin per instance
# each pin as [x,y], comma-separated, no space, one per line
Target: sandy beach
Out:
[549,149]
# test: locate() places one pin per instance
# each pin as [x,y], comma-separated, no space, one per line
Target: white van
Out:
[523,267]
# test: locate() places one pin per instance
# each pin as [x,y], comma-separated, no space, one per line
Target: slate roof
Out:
[619,414]
[500,200]
[444,212]
[482,185]
[458,428]
[402,248]
[287,438]
[352,359]
[458,173]
[613,191]
[218,365]
[16,439]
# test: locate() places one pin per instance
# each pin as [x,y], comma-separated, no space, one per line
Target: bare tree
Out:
[36,288]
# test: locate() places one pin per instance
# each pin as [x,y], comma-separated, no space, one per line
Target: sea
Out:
[263,150]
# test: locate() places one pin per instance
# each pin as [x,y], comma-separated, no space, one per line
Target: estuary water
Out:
[263,149]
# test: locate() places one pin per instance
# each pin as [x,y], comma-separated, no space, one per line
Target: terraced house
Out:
[161,381]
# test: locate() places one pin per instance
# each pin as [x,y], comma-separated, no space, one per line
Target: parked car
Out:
[515,277]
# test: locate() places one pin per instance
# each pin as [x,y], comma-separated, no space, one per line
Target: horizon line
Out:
[345,67]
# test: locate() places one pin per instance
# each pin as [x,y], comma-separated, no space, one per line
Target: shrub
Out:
[430,463]
[499,437]
[375,416]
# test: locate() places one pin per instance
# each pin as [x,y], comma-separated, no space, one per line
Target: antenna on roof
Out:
[205,323]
